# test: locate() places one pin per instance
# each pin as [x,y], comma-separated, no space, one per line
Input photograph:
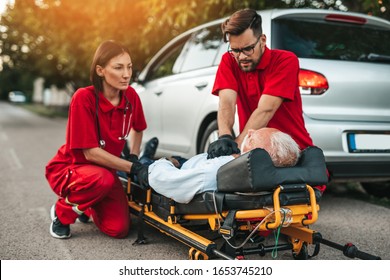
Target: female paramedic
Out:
[83,172]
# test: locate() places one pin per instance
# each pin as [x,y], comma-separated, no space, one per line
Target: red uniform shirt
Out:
[276,75]
[82,133]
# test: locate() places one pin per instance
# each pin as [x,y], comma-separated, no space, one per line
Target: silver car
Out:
[344,82]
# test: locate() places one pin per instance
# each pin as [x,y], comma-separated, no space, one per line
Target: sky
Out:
[3,4]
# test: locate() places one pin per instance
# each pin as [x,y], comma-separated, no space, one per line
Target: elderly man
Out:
[198,174]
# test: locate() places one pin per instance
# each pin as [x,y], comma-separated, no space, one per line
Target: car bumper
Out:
[332,138]
[359,171]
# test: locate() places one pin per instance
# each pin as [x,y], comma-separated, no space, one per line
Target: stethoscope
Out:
[125,133]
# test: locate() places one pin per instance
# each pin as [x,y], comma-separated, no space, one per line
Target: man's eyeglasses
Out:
[248,51]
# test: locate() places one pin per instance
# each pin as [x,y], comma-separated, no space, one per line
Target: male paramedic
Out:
[262,83]
[199,174]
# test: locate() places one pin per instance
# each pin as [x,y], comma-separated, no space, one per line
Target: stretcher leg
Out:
[200,247]
[140,234]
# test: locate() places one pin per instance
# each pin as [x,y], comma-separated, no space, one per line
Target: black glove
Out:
[224,146]
[132,158]
[141,172]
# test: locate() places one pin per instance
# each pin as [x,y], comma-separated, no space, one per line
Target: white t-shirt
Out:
[197,175]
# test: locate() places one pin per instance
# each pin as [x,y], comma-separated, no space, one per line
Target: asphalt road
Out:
[28,141]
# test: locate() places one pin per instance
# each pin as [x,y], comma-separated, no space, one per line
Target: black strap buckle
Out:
[228,227]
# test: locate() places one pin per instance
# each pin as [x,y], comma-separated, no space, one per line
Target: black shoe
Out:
[150,148]
[57,229]
[83,218]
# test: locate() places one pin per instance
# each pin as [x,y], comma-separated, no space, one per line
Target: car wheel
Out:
[380,189]
[210,135]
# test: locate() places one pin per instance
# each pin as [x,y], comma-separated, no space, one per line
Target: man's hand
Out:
[224,146]
[141,171]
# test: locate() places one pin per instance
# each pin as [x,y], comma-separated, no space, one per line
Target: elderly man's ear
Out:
[249,140]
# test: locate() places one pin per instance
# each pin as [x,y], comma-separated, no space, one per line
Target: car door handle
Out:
[201,85]
[158,93]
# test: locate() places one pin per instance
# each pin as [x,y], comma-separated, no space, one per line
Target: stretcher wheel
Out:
[195,254]
[303,253]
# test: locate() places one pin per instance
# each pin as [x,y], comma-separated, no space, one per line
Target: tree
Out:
[55,39]
[379,8]
[171,17]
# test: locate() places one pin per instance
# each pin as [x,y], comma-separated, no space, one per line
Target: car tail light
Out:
[312,83]
[346,19]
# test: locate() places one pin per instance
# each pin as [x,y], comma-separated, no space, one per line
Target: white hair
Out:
[284,150]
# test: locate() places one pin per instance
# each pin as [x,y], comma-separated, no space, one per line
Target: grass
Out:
[46,111]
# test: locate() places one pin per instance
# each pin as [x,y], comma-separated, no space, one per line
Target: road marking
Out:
[16,162]
[3,134]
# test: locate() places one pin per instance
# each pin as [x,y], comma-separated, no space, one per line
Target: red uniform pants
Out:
[96,189]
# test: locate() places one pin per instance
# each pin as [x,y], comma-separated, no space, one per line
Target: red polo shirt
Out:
[82,133]
[276,75]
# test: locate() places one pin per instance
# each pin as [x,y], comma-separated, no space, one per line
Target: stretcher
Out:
[253,200]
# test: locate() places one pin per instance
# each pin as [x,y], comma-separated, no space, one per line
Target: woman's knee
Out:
[118,230]
[105,179]
[94,176]
[112,215]
[96,185]
[123,233]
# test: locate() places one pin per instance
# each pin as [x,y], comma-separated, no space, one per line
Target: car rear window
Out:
[332,40]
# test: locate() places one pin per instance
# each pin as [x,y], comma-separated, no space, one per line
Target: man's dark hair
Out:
[240,21]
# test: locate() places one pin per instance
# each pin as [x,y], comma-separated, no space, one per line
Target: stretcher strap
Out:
[218,201]
[227,229]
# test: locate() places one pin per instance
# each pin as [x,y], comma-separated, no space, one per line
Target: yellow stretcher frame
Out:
[298,232]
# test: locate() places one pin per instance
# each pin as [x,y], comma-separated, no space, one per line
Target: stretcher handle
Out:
[352,251]
[305,221]
[128,190]
[349,250]
[313,204]
[278,218]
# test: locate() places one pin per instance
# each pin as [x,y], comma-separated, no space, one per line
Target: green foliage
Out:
[379,8]
[56,39]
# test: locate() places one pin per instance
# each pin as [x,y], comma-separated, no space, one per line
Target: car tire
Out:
[210,135]
[379,189]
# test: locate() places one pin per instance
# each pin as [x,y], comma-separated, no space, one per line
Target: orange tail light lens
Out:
[312,83]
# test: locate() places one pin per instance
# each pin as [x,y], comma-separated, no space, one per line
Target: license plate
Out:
[368,143]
